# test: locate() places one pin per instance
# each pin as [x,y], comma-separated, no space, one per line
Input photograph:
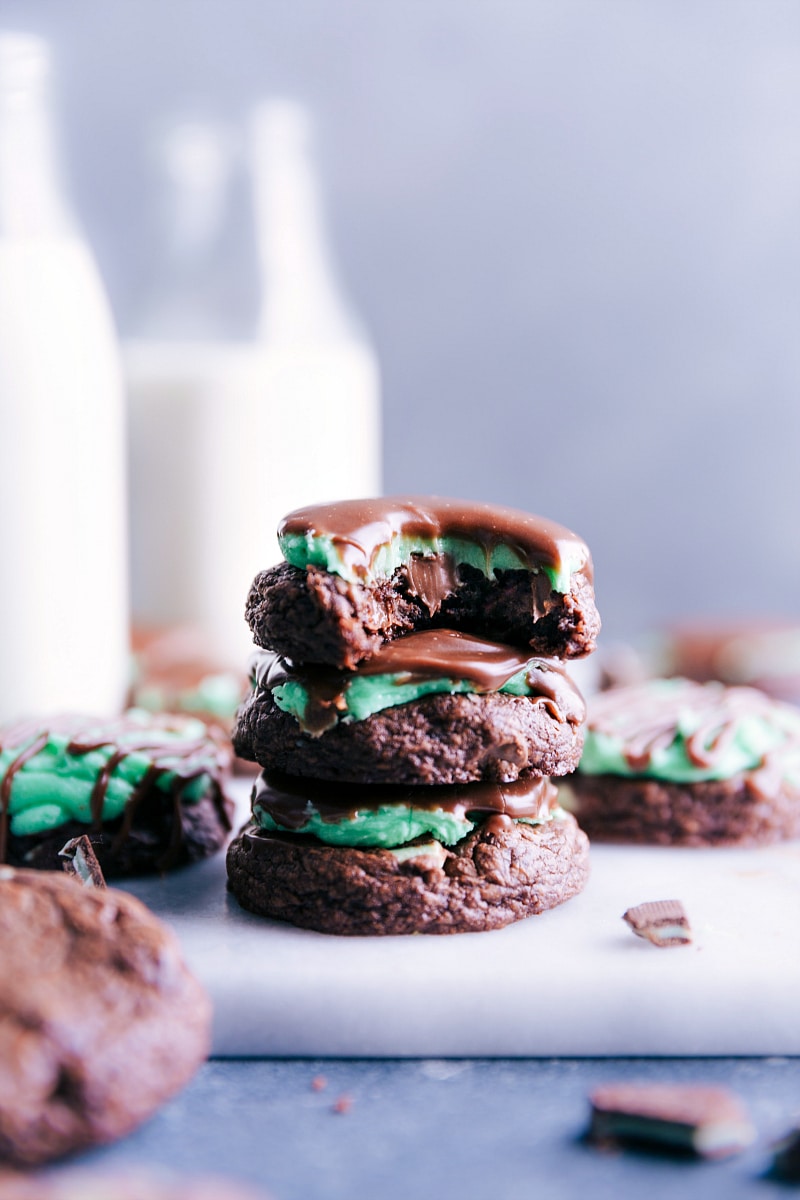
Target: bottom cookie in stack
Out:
[361,859]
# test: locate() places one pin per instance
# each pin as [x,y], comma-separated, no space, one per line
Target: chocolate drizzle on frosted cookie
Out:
[164,740]
[718,730]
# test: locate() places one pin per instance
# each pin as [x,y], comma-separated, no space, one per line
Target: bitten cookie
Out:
[363,572]
[435,707]
[679,763]
[102,1022]
[502,869]
[149,790]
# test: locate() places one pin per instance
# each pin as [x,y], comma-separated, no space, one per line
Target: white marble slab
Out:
[574,981]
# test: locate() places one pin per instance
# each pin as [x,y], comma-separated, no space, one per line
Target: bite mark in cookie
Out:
[361,573]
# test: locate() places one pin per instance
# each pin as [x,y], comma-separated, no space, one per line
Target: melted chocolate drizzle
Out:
[647,721]
[361,528]
[418,657]
[186,758]
[287,799]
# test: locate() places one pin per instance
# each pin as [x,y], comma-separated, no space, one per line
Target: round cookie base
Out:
[439,739]
[486,881]
[651,812]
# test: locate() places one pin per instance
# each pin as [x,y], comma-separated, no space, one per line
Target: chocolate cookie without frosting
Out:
[363,572]
[149,790]
[672,762]
[487,880]
[102,1021]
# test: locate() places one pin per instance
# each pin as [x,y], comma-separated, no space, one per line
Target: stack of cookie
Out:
[408,709]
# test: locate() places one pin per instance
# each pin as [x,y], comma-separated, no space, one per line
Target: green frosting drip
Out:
[54,786]
[367,694]
[309,550]
[388,826]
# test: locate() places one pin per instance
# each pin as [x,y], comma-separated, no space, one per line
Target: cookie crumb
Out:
[343,1104]
[79,859]
[662,922]
[319,1083]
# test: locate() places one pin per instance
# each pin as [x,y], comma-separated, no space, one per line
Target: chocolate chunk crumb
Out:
[80,860]
[343,1104]
[662,922]
[319,1083]
[709,1122]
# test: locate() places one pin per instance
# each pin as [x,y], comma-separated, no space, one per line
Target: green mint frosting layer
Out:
[308,550]
[740,737]
[55,786]
[367,694]
[387,827]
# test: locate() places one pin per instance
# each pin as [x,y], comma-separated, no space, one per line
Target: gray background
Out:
[570,227]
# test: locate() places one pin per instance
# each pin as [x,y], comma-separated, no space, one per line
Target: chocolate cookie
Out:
[439,739]
[148,789]
[433,707]
[650,812]
[102,1022]
[489,879]
[361,573]
[673,762]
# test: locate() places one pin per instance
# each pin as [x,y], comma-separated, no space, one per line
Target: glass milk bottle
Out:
[229,432]
[63,546]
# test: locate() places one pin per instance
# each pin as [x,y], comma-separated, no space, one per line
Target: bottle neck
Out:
[32,199]
[301,296]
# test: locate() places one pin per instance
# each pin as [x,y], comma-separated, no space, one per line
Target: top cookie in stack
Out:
[409,714]
[361,573]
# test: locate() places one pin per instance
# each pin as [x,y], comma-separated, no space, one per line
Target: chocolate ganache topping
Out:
[719,730]
[418,657]
[168,744]
[287,799]
[360,529]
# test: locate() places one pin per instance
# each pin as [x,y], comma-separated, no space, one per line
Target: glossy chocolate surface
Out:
[431,654]
[287,799]
[360,528]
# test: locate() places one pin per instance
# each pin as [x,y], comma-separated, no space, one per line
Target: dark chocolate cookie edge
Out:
[487,881]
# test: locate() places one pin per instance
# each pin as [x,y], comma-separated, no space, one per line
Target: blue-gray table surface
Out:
[475,1129]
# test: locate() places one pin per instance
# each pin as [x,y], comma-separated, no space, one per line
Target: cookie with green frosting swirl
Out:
[670,761]
[149,790]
